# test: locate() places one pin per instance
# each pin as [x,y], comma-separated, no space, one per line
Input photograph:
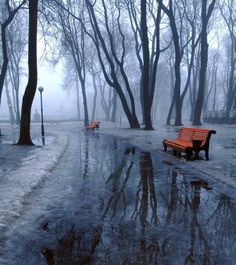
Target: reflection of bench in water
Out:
[189,140]
[93,125]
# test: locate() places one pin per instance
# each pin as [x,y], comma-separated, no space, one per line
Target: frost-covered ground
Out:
[23,168]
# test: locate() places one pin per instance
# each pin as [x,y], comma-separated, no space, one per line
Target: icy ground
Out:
[23,168]
[39,187]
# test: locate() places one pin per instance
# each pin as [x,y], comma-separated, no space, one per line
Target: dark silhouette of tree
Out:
[146,66]
[212,82]
[16,49]
[73,41]
[194,83]
[108,50]
[178,56]
[147,55]
[10,14]
[227,9]
[9,103]
[205,16]
[25,138]
[184,33]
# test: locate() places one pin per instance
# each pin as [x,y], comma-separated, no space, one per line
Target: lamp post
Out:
[42,126]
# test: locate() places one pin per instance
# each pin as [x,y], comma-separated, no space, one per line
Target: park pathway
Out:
[107,202]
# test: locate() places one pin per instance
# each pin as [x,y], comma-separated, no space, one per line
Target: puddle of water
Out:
[131,207]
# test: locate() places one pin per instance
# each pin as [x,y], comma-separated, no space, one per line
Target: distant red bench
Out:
[189,140]
[93,125]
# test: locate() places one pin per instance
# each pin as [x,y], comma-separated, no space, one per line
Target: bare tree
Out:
[107,52]
[227,9]
[149,13]
[9,13]
[73,42]
[16,45]
[146,66]
[182,18]
[25,138]
[169,11]
[9,103]
[206,12]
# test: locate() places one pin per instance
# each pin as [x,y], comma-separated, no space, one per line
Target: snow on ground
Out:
[30,171]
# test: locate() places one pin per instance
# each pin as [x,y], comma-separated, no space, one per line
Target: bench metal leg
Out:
[165,147]
[207,154]
[189,154]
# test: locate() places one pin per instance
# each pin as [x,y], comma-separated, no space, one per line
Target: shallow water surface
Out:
[110,203]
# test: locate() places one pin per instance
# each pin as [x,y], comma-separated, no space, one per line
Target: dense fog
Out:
[140,61]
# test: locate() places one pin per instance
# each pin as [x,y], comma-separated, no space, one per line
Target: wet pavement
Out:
[222,163]
[108,202]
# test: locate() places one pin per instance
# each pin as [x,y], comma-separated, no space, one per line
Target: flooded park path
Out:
[109,203]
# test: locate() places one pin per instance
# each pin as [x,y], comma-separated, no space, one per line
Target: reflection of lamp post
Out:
[42,126]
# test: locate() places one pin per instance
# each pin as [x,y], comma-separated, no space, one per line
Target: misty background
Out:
[66,49]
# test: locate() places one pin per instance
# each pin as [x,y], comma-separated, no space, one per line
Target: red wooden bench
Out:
[93,125]
[189,140]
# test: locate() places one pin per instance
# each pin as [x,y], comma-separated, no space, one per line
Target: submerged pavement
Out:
[222,163]
[118,200]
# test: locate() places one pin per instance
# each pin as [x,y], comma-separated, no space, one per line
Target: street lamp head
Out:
[40,89]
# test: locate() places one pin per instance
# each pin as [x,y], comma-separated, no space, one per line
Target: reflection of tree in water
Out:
[118,184]
[148,190]
[199,248]
[98,154]
[172,205]
[189,233]
[222,220]
[188,225]
[75,246]
[130,239]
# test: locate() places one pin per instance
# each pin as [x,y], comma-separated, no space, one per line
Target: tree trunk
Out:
[172,95]
[178,114]
[86,117]
[10,106]
[94,97]
[77,99]
[30,90]
[111,77]
[204,58]
[141,97]
[146,68]
[178,56]
[230,94]
[114,109]
[170,111]
[4,26]
[5,58]
[194,87]
[202,79]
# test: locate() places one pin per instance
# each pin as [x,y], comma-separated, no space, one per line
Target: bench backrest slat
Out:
[185,135]
[200,136]
[189,134]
